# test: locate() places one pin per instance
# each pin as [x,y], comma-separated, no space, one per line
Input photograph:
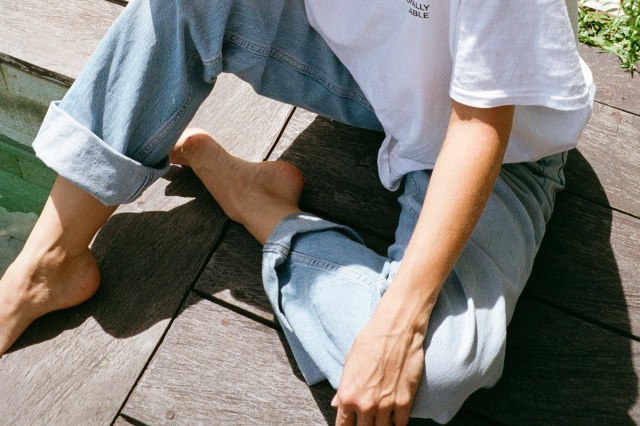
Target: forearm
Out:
[460,185]
[383,368]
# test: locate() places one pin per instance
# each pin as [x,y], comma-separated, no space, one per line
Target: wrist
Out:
[406,311]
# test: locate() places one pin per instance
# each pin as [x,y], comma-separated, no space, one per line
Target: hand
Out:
[381,372]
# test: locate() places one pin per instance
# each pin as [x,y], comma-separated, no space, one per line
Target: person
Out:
[479,102]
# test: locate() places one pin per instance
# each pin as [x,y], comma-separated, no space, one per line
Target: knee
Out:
[442,393]
[447,384]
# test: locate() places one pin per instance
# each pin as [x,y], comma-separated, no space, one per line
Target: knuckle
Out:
[403,401]
[365,406]
[385,405]
[347,398]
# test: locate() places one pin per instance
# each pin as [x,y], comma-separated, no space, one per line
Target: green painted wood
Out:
[19,195]
[26,181]
[14,230]
[29,167]
[9,162]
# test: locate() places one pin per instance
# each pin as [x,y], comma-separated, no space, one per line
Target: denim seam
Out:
[142,187]
[212,63]
[173,118]
[277,248]
[314,73]
[327,266]
[413,188]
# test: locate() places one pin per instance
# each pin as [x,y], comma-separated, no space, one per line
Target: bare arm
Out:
[383,368]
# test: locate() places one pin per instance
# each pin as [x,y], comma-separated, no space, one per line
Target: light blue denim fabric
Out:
[324,285]
[112,132]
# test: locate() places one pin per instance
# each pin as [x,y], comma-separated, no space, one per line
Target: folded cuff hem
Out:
[77,154]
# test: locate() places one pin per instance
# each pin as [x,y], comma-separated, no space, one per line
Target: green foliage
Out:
[616,34]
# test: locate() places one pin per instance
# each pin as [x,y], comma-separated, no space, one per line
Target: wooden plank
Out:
[14,230]
[19,195]
[22,162]
[588,264]
[218,367]
[30,86]
[614,86]
[339,163]
[606,166]
[150,253]
[562,371]
[58,37]
[233,274]
[122,421]
[20,118]
[241,120]
[8,161]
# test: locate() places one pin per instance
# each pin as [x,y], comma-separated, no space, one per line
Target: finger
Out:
[345,418]
[383,418]
[365,419]
[400,416]
[334,401]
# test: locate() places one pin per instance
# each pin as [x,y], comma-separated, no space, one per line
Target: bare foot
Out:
[31,289]
[258,195]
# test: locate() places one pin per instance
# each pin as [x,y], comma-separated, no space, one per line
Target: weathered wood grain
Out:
[58,37]
[240,119]
[589,263]
[614,86]
[218,367]
[27,84]
[122,421]
[233,274]
[562,371]
[606,166]
[20,118]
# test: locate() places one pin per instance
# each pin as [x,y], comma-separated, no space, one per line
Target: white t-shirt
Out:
[412,57]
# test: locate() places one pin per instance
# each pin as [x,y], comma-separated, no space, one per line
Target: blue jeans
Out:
[324,284]
[112,133]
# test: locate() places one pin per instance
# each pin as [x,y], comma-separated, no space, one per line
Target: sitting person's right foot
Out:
[30,289]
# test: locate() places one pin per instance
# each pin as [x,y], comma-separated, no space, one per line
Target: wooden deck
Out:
[181,332]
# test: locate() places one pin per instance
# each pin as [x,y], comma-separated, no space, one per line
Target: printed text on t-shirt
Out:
[419,10]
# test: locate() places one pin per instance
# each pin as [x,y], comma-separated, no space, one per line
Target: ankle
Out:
[37,260]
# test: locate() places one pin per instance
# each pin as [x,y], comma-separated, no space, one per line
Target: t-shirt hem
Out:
[492,99]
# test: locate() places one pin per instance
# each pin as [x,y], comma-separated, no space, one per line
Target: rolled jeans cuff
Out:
[81,157]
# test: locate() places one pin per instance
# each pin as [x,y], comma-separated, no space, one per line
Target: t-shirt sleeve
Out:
[515,52]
